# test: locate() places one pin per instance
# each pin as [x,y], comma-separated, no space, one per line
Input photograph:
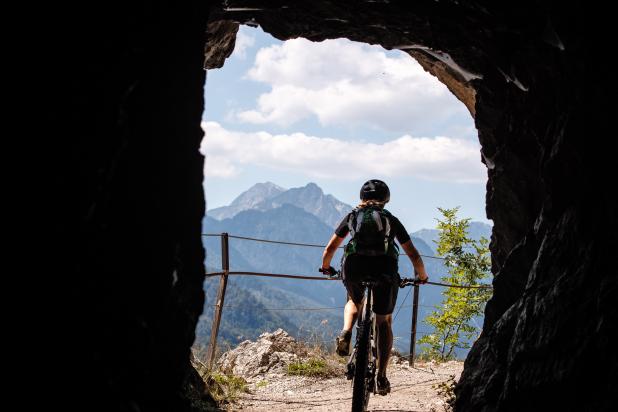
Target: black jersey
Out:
[396,227]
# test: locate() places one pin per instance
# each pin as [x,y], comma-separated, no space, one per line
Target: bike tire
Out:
[360,391]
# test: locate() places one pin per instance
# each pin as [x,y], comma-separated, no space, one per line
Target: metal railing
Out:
[225,273]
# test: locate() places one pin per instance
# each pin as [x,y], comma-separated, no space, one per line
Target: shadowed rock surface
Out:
[123,100]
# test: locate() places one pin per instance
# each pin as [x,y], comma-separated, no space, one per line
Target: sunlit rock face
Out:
[124,103]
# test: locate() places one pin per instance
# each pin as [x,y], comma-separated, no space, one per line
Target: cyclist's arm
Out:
[417,261]
[330,250]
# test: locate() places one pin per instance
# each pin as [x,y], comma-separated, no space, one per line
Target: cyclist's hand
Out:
[329,271]
[422,278]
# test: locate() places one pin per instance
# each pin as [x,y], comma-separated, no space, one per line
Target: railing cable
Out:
[285,275]
[280,242]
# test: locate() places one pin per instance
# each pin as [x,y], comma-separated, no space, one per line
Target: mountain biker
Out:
[372,260]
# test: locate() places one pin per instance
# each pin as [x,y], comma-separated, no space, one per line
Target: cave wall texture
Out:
[123,100]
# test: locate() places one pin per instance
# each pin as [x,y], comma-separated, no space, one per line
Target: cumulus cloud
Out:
[342,83]
[219,166]
[244,41]
[438,158]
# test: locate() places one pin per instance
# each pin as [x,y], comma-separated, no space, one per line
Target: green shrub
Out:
[468,264]
[310,367]
[225,388]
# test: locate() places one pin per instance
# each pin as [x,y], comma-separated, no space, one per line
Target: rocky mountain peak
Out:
[249,199]
[267,196]
[257,193]
[313,188]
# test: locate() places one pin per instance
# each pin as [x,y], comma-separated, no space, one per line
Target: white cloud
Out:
[219,166]
[244,41]
[438,158]
[347,83]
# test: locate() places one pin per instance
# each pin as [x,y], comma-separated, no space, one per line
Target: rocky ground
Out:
[269,388]
[413,389]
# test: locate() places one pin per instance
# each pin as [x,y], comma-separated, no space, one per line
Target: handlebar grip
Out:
[330,272]
[410,281]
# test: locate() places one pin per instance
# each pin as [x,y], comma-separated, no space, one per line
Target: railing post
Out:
[216,319]
[413,328]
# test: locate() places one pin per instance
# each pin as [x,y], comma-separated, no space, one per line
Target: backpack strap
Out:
[376,217]
[359,222]
[387,230]
[351,226]
[387,217]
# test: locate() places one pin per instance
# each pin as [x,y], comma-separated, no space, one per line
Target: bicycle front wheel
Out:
[360,388]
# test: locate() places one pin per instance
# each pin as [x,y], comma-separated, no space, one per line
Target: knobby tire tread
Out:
[359,388]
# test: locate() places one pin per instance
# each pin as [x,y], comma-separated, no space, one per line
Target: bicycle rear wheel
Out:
[360,389]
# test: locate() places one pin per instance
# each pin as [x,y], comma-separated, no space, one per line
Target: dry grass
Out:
[223,388]
[321,361]
[446,390]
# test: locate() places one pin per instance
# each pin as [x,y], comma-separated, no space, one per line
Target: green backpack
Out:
[370,228]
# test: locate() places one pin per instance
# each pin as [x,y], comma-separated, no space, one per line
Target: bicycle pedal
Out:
[349,374]
[372,386]
[383,388]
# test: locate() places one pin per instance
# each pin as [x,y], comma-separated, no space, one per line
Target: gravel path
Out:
[412,389]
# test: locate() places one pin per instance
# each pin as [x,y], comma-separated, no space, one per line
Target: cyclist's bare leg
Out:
[385,341]
[350,313]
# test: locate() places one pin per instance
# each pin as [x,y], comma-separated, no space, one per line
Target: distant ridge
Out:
[475,231]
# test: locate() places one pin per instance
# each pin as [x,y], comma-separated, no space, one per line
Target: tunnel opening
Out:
[132,287]
[380,103]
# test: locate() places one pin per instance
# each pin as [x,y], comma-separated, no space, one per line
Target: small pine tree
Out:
[468,263]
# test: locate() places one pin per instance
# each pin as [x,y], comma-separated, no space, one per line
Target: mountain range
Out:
[257,304]
[267,196]
[476,230]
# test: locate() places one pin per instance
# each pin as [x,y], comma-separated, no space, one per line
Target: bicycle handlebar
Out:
[331,272]
[415,281]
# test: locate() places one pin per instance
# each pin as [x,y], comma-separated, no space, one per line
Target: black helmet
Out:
[375,189]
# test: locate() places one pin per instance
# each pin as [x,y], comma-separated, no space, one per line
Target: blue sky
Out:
[338,113]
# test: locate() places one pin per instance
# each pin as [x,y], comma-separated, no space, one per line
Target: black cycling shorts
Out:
[356,268]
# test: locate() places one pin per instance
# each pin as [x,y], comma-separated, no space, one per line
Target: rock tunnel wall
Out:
[125,103]
[122,100]
[550,322]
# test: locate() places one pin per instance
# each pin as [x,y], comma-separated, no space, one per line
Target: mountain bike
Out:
[362,363]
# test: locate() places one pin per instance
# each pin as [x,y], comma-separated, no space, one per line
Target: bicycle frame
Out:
[366,319]
[367,313]
[370,318]
[362,364]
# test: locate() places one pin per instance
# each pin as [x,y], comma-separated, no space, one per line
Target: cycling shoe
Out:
[384,386]
[343,343]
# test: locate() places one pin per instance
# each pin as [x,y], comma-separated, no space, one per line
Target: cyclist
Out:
[372,253]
